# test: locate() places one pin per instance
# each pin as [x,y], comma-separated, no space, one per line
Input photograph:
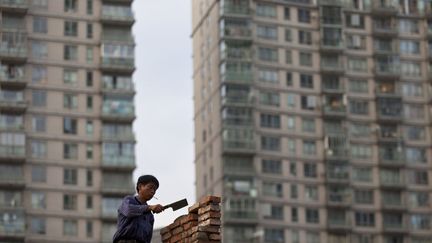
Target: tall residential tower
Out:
[313,118]
[66,113]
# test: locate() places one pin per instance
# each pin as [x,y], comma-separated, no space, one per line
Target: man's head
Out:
[146,186]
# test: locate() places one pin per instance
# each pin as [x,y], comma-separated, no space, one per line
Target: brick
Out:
[208,208]
[209,229]
[210,222]
[164,230]
[214,237]
[175,238]
[208,215]
[173,225]
[166,236]
[209,199]
[177,230]
[190,225]
[194,208]
[179,219]
[190,217]
[199,236]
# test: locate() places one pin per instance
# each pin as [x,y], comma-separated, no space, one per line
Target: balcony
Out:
[237,99]
[395,226]
[12,180]
[14,6]
[239,216]
[389,114]
[12,153]
[11,76]
[12,102]
[338,224]
[12,224]
[237,76]
[391,157]
[126,163]
[332,45]
[332,67]
[229,8]
[385,30]
[236,32]
[121,64]
[393,182]
[13,46]
[334,111]
[243,169]
[386,50]
[332,2]
[117,15]
[118,112]
[237,53]
[389,71]
[388,91]
[118,136]
[391,205]
[117,187]
[380,8]
[339,200]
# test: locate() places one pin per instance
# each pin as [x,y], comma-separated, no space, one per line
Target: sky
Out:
[163,101]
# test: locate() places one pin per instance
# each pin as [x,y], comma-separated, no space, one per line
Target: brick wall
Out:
[201,225]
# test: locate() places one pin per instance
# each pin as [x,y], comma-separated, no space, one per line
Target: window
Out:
[42,4]
[270,143]
[364,196]
[413,90]
[287,14]
[268,11]
[70,176]
[308,125]
[355,21]
[415,133]
[303,16]
[70,53]
[38,200]
[40,25]
[293,168]
[39,74]
[272,211]
[274,235]
[268,75]
[71,28]
[89,7]
[89,229]
[38,226]
[267,32]
[89,201]
[356,42]
[89,54]
[310,170]
[70,125]
[268,54]
[70,101]
[294,191]
[365,219]
[410,69]
[288,56]
[89,79]
[408,26]
[89,32]
[357,64]
[306,81]
[359,129]
[38,174]
[291,146]
[358,86]
[89,178]
[288,35]
[312,237]
[418,199]
[38,149]
[70,5]
[311,193]
[70,76]
[89,102]
[309,147]
[70,151]
[308,102]
[418,177]
[359,107]
[291,101]
[305,59]
[312,216]
[269,98]
[420,222]
[69,202]
[361,151]
[409,47]
[294,214]
[272,189]
[289,81]
[305,37]
[39,123]
[89,151]
[271,166]
[291,123]
[270,121]
[89,127]
[70,227]
[39,50]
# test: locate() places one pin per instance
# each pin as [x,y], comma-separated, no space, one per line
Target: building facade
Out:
[66,114]
[313,118]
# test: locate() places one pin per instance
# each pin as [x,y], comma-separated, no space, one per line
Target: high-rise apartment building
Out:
[313,118]
[66,113]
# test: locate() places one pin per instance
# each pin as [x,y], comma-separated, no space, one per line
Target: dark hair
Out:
[145,179]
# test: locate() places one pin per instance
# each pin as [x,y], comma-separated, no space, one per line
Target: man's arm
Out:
[132,210]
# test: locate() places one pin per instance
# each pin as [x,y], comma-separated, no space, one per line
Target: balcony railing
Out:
[119,162]
[385,29]
[237,53]
[384,8]
[15,223]
[13,44]
[236,9]
[15,5]
[118,109]
[129,136]
[392,158]
[244,77]
[14,75]
[17,125]
[334,110]
[11,151]
[332,66]
[117,14]
[236,32]
[123,63]
[393,182]
[387,69]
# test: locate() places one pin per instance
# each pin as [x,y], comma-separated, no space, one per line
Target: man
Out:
[135,219]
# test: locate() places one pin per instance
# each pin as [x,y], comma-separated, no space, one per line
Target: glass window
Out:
[70,5]
[38,200]
[40,25]
[268,54]
[271,166]
[70,53]
[39,50]
[303,15]
[270,121]
[39,123]
[312,216]
[70,125]
[70,151]
[38,226]
[38,174]
[89,7]
[365,219]
[69,202]
[70,28]
[70,227]
[70,76]
[269,98]
[305,59]
[270,143]
[264,10]
[38,149]
[267,32]
[310,170]
[70,176]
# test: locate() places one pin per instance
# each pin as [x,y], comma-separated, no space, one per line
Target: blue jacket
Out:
[134,221]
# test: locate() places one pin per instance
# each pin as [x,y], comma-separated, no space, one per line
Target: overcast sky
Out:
[163,101]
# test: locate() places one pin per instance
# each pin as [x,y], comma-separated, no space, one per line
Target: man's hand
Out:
[156,208]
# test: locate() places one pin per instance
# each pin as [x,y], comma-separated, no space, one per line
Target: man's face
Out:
[147,191]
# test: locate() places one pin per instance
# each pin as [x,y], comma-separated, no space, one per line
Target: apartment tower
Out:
[313,118]
[66,114]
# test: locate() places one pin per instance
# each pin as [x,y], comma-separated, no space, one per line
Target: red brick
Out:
[214,237]
[199,236]
[175,238]
[194,208]
[209,229]
[208,208]
[190,217]
[164,230]
[166,236]
[177,230]
[209,199]
[210,222]
[208,215]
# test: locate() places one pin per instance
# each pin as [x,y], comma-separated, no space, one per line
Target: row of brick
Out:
[200,225]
